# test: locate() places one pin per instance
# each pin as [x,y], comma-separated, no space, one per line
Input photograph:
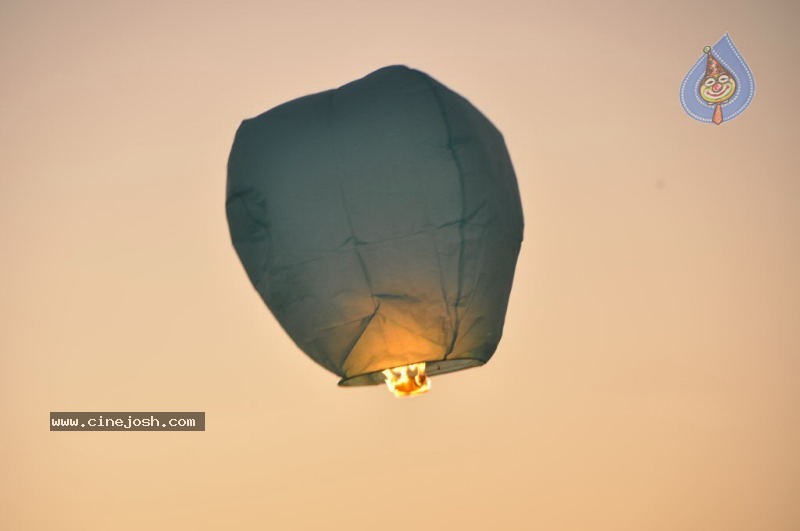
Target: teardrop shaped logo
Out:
[719,86]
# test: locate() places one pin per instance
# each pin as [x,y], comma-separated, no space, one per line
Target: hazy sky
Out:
[647,379]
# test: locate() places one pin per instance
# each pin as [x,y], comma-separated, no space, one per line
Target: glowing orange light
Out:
[407,380]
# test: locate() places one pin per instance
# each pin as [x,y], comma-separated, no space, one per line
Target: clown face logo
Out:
[718,84]
[719,80]
[716,89]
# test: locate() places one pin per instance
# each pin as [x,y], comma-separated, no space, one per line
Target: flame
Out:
[407,380]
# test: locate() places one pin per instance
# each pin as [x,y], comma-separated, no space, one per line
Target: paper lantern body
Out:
[380,222]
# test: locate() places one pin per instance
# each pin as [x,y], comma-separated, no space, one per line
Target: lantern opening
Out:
[408,380]
[432,367]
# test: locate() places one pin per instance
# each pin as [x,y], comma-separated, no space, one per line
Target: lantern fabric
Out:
[380,222]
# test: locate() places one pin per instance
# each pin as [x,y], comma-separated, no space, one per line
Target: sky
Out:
[647,377]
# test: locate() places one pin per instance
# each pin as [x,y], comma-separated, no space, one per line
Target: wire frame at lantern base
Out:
[432,368]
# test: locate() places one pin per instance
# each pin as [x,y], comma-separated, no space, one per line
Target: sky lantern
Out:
[380,222]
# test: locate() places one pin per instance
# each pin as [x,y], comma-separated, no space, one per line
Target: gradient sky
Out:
[647,379]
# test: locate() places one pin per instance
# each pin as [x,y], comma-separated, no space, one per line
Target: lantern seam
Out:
[358,338]
[442,284]
[460,171]
[343,323]
[479,270]
[404,327]
[355,239]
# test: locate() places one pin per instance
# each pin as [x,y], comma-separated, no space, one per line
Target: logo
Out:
[719,86]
